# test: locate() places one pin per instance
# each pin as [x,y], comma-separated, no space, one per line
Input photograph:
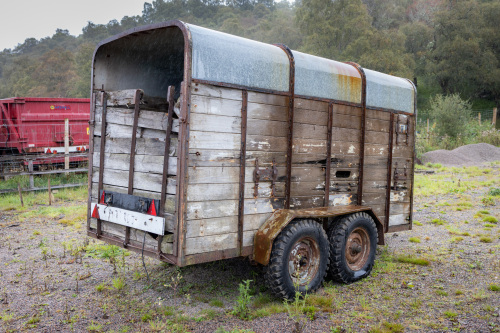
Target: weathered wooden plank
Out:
[307,201]
[124,131]
[374,185]
[212,192]
[210,140]
[347,109]
[344,173]
[345,134]
[378,114]
[308,131]
[143,163]
[266,143]
[223,174]
[304,116]
[211,209]
[263,206]
[223,225]
[269,99]
[267,128]
[215,106]
[342,199]
[345,148]
[308,146]
[147,119]
[211,243]
[127,98]
[377,125]
[267,112]
[346,121]
[213,91]
[144,146]
[142,181]
[307,104]
[213,158]
[214,123]
[380,138]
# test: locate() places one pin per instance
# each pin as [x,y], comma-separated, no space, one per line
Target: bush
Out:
[451,115]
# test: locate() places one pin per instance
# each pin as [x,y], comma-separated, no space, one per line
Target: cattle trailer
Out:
[206,146]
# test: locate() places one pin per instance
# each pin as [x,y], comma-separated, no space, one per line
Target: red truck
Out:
[35,126]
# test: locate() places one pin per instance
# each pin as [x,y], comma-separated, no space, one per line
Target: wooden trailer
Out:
[206,146]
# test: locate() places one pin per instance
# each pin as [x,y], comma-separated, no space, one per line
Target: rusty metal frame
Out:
[389,110]
[328,169]
[243,154]
[217,255]
[291,102]
[100,187]
[166,156]
[138,249]
[414,118]
[183,148]
[362,131]
[389,172]
[267,233]
[91,155]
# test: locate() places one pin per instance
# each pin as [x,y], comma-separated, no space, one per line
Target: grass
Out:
[414,240]
[408,259]
[490,219]
[450,314]
[494,287]
[485,239]
[217,303]
[438,222]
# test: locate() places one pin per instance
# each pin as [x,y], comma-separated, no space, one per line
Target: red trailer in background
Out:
[35,127]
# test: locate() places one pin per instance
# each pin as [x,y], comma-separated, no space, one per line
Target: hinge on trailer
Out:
[265,174]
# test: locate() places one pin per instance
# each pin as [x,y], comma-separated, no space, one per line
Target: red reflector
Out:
[152,209]
[48,151]
[95,213]
[55,151]
[102,199]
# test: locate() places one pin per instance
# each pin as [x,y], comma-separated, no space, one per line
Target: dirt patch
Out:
[55,279]
[469,155]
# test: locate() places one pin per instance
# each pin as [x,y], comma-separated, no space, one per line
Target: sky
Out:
[23,19]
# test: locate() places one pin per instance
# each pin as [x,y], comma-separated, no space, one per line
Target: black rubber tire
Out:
[297,234]
[340,268]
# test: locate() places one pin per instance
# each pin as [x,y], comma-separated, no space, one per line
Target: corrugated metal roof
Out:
[389,92]
[220,57]
[325,78]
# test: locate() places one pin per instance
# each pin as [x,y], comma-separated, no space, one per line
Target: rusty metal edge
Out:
[148,252]
[291,103]
[183,148]
[269,230]
[362,131]
[100,187]
[241,87]
[415,115]
[389,173]
[217,255]
[166,154]
[328,169]
[243,154]
[90,155]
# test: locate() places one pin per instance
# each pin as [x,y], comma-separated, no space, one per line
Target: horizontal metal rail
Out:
[47,172]
[42,188]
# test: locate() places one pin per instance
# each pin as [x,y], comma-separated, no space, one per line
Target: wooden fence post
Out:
[66,144]
[30,169]
[494,120]
[479,117]
[20,194]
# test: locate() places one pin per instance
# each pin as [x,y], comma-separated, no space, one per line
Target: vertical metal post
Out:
[243,153]
[66,144]
[328,169]
[91,156]
[389,173]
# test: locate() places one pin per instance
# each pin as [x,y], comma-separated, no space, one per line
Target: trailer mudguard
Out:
[267,233]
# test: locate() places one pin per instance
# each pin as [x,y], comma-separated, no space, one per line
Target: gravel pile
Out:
[469,155]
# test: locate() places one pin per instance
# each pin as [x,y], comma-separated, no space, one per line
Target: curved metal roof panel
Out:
[220,57]
[325,78]
[389,92]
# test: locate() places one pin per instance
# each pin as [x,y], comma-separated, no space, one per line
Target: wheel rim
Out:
[303,261]
[357,249]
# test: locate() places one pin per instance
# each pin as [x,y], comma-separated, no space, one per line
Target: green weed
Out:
[485,239]
[411,260]
[494,287]
[490,219]
[118,283]
[241,309]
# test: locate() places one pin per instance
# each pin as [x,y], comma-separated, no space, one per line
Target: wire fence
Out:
[486,116]
[34,153]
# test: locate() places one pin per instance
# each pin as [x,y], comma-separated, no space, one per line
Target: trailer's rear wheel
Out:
[299,258]
[353,242]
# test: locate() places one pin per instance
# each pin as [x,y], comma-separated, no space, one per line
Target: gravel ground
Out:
[53,278]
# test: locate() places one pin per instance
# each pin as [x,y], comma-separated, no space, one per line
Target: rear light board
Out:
[128,218]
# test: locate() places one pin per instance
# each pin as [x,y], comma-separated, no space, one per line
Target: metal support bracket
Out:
[265,174]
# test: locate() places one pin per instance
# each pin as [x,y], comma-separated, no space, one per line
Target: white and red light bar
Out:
[60,150]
